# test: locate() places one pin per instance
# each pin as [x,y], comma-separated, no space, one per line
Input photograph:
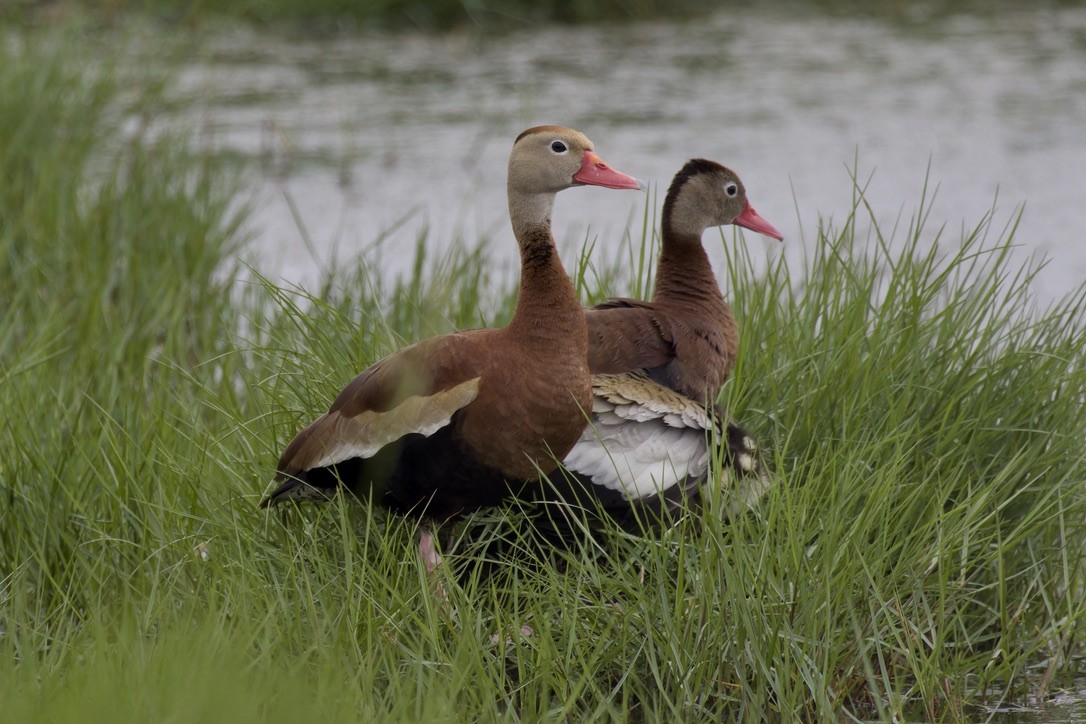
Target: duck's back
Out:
[689,349]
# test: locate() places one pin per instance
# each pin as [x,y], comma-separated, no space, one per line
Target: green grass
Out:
[923,418]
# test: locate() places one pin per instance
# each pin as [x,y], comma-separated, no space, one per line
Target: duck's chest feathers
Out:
[528,415]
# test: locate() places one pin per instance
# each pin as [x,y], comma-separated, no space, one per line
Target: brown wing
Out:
[625,335]
[681,349]
[622,303]
[415,390]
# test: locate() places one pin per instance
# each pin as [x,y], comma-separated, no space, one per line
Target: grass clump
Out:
[922,548]
[928,426]
[111,263]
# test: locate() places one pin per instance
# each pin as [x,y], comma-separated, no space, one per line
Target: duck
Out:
[462,421]
[657,367]
[685,337]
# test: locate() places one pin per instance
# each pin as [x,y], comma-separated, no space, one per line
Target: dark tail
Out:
[297,488]
[751,480]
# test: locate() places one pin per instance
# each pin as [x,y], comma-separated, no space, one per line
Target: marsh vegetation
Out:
[921,553]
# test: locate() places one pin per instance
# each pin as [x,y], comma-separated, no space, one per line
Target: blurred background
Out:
[357,124]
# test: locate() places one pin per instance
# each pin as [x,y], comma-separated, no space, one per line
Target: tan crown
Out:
[535,167]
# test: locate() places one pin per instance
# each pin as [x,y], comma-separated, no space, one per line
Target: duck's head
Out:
[548,159]
[705,194]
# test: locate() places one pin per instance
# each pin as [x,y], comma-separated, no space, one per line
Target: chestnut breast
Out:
[530,410]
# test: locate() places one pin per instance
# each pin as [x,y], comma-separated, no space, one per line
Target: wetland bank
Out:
[921,555]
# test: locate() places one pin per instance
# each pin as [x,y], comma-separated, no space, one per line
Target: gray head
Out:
[704,194]
[548,159]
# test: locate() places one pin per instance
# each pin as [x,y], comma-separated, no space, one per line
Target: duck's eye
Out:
[558,147]
[731,189]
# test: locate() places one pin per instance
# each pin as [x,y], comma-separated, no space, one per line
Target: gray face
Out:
[720,194]
[544,159]
[711,196]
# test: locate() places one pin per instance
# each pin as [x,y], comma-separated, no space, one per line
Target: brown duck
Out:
[658,366]
[460,421]
[686,337]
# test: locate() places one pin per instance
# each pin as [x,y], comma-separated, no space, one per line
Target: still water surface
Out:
[362,133]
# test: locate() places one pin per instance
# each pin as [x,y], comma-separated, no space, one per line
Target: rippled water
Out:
[364,132]
[1065,701]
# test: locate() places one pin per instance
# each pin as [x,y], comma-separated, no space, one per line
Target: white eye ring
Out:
[731,189]
[559,147]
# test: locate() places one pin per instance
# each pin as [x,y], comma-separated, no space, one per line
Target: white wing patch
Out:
[363,435]
[643,438]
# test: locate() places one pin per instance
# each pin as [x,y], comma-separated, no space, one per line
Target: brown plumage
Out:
[457,422]
[657,368]
[685,338]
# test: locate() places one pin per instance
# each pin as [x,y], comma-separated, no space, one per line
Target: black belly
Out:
[570,502]
[437,477]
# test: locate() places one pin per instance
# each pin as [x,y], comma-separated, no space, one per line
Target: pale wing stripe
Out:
[364,434]
[636,397]
[639,459]
[644,438]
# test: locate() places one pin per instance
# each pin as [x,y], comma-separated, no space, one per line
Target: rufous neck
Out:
[684,275]
[547,305]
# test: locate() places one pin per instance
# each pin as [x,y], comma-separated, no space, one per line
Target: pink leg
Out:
[432,559]
[428,551]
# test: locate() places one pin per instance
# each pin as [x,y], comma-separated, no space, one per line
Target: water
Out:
[371,133]
[1065,701]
